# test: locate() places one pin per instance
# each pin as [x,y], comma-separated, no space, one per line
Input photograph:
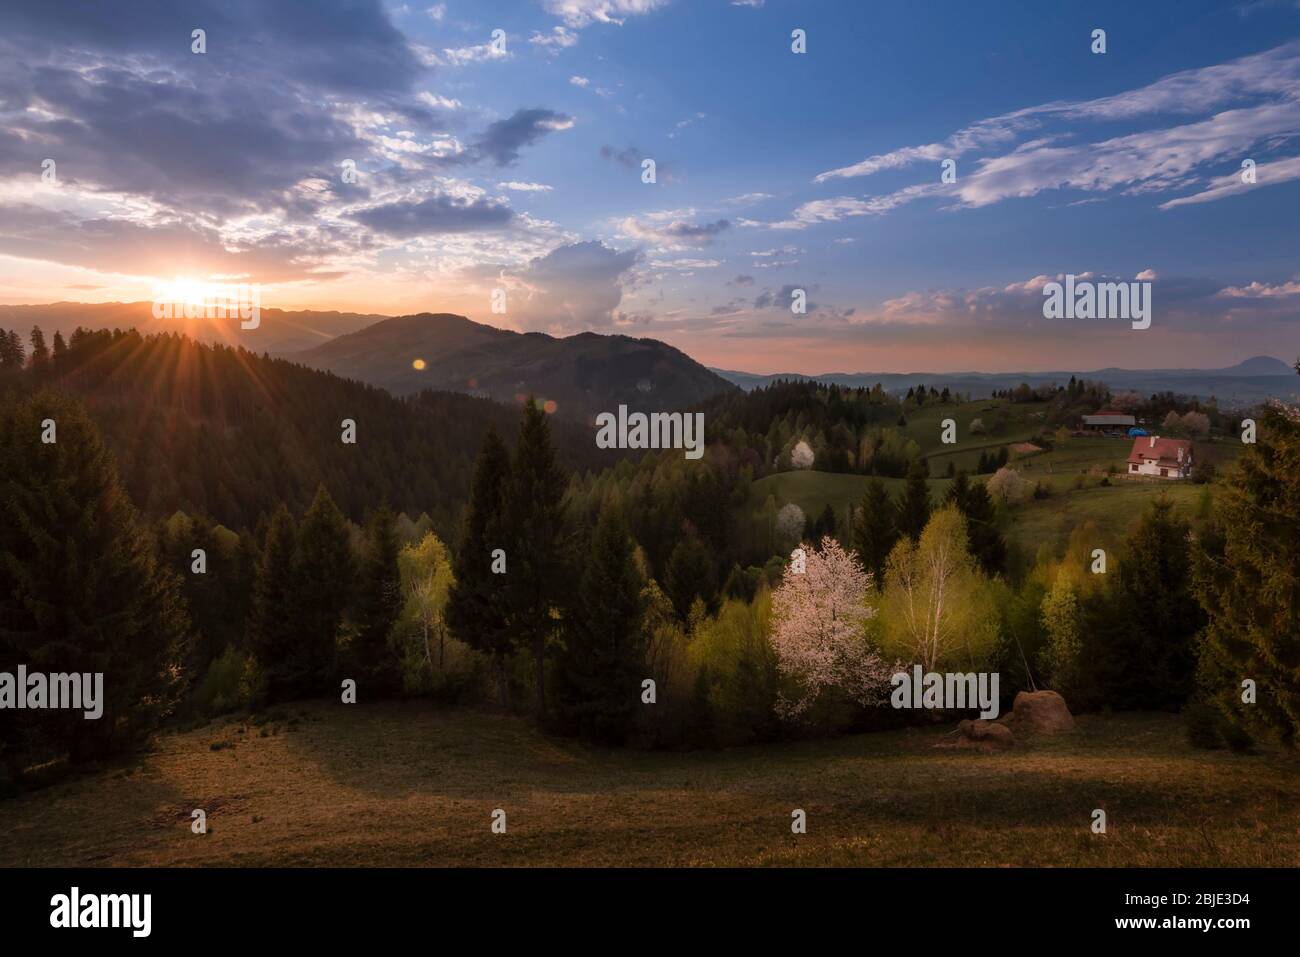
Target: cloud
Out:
[577,286]
[478,53]
[676,232]
[844,207]
[581,13]
[503,139]
[1266,174]
[525,187]
[630,156]
[552,43]
[1274,72]
[116,245]
[442,213]
[1251,102]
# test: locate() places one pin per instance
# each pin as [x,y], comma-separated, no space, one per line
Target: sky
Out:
[499,146]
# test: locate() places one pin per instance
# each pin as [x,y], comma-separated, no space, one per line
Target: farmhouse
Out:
[1106,420]
[1162,458]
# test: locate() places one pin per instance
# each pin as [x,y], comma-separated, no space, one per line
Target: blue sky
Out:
[482,169]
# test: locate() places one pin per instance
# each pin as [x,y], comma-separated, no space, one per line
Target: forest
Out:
[195,527]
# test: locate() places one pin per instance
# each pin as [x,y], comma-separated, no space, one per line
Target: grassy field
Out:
[1072,471]
[408,785]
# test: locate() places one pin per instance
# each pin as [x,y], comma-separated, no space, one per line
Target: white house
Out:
[1161,458]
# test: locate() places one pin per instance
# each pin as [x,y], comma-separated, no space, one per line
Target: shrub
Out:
[222,688]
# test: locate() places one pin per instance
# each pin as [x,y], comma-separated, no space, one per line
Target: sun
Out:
[184,289]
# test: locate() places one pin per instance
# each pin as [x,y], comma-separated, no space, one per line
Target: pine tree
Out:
[323,570]
[476,612]
[914,507]
[379,604]
[875,529]
[537,579]
[986,542]
[81,589]
[273,626]
[600,670]
[40,352]
[1248,580]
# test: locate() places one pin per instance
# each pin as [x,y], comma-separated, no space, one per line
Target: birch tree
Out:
[936,607]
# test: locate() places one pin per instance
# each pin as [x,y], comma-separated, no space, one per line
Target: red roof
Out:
[1164,452]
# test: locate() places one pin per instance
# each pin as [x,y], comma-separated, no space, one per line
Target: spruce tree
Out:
[379,604]
[81,588]
[986,542]
[1140,632]
[1248,580]
[875,529]
[476,611]
[40,351]
[323,570]
[537,579]
[914,507]
[600,669]
[690,574]
[273,626]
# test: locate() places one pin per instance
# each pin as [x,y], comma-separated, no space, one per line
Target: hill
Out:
[1244,384]
[278,331]
[582,374]
[227,433]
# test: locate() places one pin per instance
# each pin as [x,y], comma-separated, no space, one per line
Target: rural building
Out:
[1162,458]
[1107,420]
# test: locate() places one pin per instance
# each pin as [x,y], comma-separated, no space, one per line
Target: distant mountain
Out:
[1244,384]
[278,331]
[583,374]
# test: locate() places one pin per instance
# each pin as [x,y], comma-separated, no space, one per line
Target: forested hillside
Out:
[230,434]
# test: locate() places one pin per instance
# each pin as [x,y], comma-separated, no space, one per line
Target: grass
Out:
[405,784]
[812,490]
[1114,508]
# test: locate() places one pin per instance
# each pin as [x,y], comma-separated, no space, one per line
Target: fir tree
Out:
[875,529]
[914,507]
[986,542]
[40,352]
[323,570]
[600,670]
[690,574]
[378,604]
[273,626]
[1248,580]
[476,611]
[81,589]
[537,578]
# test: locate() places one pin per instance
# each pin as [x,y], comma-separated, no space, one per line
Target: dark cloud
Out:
[438,214]
[693,232]
[502,140]
[630,156]
[742,280]
[782,298]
